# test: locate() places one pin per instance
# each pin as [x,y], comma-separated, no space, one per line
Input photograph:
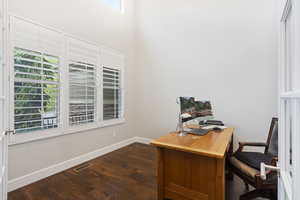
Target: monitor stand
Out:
[181,132]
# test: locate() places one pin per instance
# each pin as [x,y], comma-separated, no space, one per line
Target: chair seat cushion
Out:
[253,159]
[245,169]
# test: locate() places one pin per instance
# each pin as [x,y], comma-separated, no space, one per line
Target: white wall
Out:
[94,21]
[224,51]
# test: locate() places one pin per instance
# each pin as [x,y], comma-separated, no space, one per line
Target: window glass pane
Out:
[289,55]
[289,123]
[116,4]
[36,97]
[82,93]
[111,94]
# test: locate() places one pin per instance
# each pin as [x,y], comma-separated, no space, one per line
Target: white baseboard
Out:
[142,140]
[54,169]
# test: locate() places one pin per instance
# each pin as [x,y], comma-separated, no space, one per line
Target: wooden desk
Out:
[193,167]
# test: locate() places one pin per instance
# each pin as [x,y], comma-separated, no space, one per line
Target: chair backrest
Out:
[272,142]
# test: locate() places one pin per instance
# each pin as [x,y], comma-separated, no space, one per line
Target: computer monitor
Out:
[195,111]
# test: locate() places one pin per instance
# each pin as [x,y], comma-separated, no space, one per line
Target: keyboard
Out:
[197,131]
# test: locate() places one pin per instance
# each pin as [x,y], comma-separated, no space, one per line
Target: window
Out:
[116,4]
[35,70]
[82,93]
[36,89]
[111,93]
[59,83]
[83,62]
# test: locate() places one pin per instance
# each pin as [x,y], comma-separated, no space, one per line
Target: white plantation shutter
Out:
[37,52]
[83,60]
[111,93]
[27,35]
[112,85]
[83,52]
[59,81]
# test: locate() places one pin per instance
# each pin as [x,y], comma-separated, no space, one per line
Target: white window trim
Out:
[64,127]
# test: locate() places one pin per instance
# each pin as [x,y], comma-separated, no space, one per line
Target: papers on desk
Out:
[211,127]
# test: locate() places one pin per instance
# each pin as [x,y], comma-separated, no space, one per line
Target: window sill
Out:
[113,122]
[46,134]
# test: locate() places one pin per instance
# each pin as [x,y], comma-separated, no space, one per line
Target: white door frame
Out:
[289,102]
[3,98]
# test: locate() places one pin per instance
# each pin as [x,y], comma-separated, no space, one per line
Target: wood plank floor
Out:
[126,174]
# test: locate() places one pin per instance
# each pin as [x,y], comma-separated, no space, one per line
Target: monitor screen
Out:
[195,110]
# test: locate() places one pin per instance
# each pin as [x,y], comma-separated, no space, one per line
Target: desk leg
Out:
[229,154]
[160,174]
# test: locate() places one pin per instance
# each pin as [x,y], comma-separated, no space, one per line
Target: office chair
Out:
[246,165]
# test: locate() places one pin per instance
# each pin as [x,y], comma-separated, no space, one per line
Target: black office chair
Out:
[246,165]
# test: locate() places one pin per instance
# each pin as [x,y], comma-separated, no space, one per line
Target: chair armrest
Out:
[274,161]
[269,173]
[251,144]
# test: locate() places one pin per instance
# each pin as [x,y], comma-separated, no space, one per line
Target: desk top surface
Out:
[213,144]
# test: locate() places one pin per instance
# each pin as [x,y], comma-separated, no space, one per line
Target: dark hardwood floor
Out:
[126,174]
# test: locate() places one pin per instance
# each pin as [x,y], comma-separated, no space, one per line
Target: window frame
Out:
[64,127]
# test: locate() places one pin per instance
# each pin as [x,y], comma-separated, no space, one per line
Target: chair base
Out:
[270,194]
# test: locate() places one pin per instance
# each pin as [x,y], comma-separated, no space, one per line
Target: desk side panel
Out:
[189,176]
